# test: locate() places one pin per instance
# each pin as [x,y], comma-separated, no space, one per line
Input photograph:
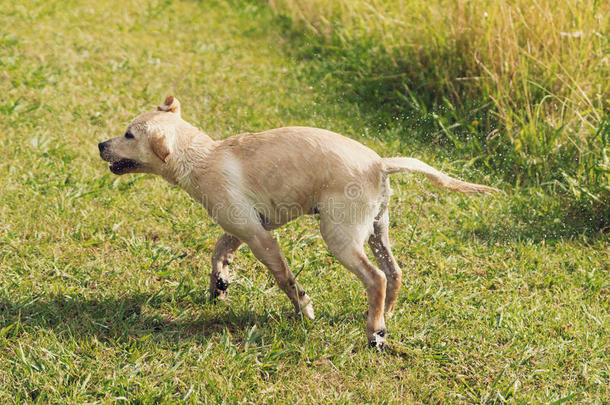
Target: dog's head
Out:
[148,142]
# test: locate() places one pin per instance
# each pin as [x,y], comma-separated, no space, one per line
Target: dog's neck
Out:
[193,149]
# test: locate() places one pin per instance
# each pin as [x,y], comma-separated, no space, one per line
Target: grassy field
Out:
[103,280]
[520,86]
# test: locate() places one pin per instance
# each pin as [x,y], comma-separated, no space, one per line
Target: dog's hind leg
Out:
[267,250]
[221,259]
[345,242]
[379,242]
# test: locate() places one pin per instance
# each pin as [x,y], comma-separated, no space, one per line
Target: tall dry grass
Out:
[538,68]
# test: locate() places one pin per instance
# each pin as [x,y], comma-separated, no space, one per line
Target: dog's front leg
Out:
[267,250]
[221,259]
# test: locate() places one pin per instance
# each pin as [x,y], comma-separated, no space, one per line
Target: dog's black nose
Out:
[101,145]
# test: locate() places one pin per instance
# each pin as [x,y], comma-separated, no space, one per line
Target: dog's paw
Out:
[222,284]
[216,295]
[378,340]
[307,311]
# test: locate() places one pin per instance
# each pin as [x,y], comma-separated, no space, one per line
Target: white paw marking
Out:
[307,311]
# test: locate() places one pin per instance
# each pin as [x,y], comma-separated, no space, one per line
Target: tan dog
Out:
[252,183]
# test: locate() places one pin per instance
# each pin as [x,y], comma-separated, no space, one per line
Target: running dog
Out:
[252,183]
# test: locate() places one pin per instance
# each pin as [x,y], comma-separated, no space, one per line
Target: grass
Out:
[520,87]
[103,280]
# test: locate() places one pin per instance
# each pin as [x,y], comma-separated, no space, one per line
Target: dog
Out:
[252,183]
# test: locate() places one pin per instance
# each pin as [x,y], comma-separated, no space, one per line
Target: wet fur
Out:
[252,183]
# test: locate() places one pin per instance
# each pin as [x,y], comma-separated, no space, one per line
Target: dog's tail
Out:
[440,179]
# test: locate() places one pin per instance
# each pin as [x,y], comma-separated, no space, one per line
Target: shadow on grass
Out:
[121,320]
[112,318]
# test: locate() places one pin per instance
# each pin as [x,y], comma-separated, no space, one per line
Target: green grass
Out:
[517,86]
[103,280]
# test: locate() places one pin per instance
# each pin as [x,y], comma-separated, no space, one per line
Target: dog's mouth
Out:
[123,166]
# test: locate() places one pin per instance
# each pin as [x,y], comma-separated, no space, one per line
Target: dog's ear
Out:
[171,104]
[159,145]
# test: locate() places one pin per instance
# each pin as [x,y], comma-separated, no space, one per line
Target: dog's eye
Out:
[129,135]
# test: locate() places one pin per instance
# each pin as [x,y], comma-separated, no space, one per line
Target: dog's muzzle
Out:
[117,166]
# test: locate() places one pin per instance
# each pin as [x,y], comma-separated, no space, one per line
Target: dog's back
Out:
[288,170]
